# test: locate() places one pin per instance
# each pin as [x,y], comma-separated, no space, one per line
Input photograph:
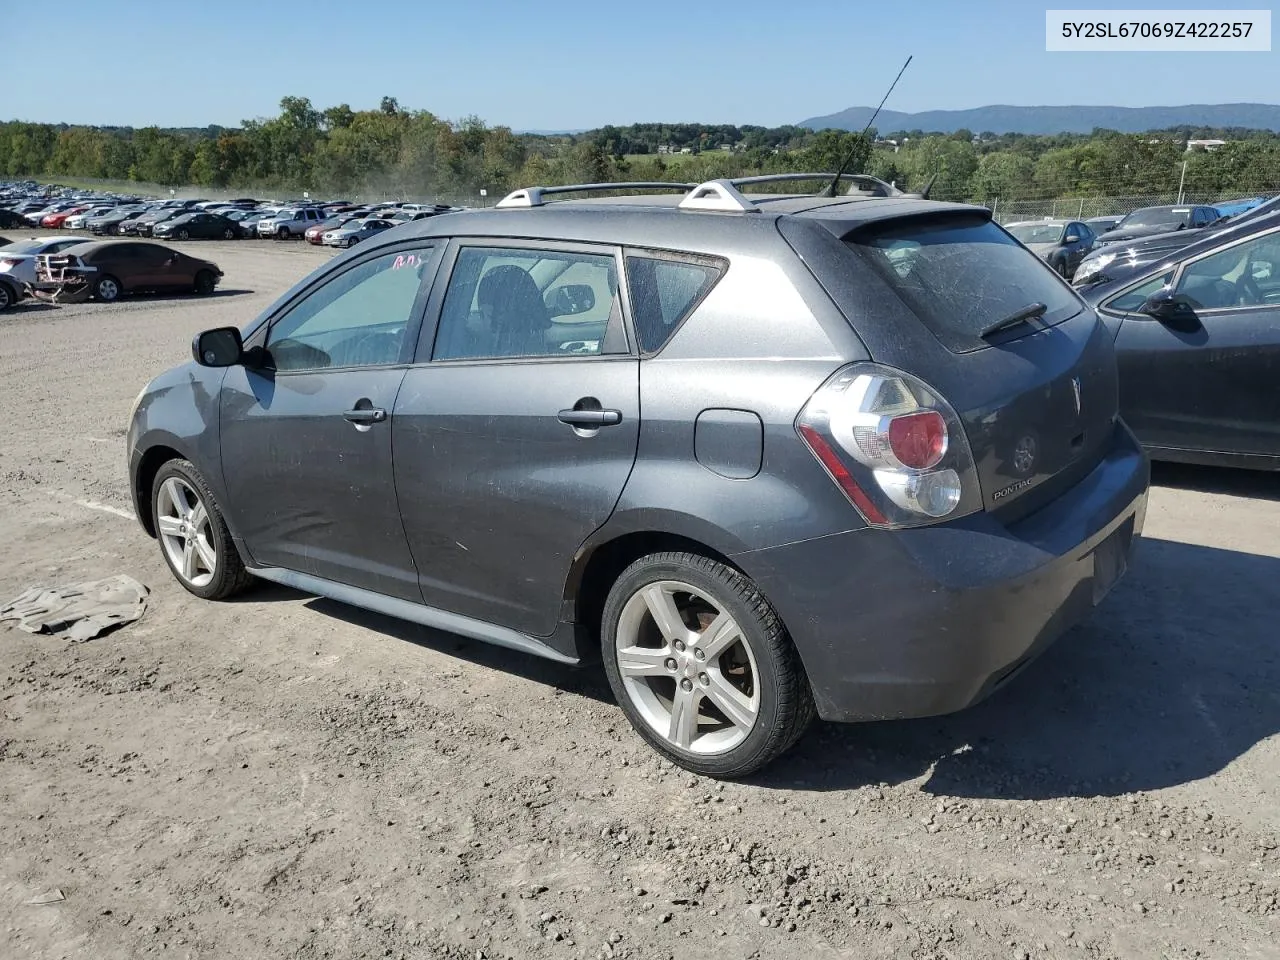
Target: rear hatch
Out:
[1038,399]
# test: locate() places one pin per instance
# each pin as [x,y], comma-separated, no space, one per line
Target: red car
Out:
[55,220]
[316,234]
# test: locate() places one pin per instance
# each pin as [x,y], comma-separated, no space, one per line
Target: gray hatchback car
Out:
[766,455]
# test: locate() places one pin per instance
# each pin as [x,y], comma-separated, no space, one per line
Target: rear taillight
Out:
[894,447]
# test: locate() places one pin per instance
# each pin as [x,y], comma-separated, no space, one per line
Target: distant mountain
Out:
[1001,118]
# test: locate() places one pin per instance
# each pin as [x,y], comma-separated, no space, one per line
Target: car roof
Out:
[658,222]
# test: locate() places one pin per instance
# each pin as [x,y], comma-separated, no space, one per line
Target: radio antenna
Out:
[830,190]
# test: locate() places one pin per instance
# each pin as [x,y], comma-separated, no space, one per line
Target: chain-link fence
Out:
[1082,208]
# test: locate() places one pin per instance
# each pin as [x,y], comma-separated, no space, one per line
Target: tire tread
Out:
[232,578]
[796,710]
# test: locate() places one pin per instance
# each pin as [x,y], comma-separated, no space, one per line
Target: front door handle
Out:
[365,415]
[590,418]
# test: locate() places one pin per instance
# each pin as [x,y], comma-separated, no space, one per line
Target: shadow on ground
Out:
[587,681]
[1175,676]
[1256,484]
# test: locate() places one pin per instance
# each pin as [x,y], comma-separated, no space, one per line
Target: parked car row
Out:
[1074,247]
[74,269]
[198,219]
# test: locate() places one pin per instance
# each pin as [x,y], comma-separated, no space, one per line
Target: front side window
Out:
[1130,300]
[362,317]
[1240,276]
[508,302]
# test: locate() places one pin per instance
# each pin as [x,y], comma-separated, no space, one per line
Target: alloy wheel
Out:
[185,529]
[687,668]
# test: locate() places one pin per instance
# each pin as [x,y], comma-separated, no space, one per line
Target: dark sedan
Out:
[148,224]
[105,270]
[1117,260]
[1104,224]
[1197,333]
[109,224]
[1060,243]
[1151,220]
[199,226]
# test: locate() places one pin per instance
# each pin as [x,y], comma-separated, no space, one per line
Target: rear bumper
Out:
[928,621]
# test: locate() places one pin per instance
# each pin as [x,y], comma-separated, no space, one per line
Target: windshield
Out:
[1036,232]
[958,275]
[1158,217]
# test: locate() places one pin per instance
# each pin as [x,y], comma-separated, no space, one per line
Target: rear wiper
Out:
[1029,312]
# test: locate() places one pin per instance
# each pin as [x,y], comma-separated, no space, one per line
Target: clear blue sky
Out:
[571,64]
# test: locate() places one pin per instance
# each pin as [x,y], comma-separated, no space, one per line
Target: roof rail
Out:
[875,184]
[534,196]
[719,195]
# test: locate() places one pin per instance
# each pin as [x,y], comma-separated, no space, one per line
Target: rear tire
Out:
[205,283]
[193,537]
[107,289]
[737,681]
[228,234]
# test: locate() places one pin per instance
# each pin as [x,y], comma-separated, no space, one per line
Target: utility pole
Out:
[1182,180]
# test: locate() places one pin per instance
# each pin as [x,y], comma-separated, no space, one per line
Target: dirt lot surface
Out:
[284,777]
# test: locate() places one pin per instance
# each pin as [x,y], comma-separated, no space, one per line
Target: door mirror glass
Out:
[220,347]
[1072,238]
[571,299]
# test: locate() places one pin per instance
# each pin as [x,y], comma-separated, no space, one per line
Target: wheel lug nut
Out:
[686,684]
[679,645]
[698,652]
[704,680]
[671,663]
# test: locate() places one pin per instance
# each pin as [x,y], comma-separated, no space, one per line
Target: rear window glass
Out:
[961,275]
[663,293]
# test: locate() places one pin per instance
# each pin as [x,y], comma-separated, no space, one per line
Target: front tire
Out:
[193,536]
[205,282]
[282,233]
[183,234]
[107,289]
[7,297]
[702,665]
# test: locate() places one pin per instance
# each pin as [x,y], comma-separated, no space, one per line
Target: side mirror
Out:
[1072,238]
[1174,309]
[572,298]
[220,347]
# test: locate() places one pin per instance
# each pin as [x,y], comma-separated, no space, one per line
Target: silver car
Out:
[18,264]
[352,233]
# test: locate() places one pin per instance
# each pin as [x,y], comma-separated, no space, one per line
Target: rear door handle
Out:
[365,415]
[590,418]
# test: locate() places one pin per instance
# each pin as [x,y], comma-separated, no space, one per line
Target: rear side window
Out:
[960,275]
[663,293]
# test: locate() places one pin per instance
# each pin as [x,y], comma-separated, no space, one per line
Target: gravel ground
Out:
[284,777]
